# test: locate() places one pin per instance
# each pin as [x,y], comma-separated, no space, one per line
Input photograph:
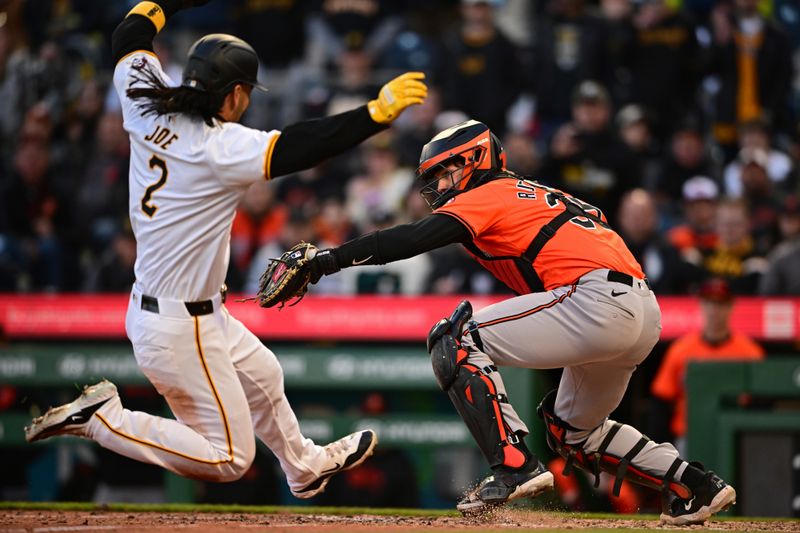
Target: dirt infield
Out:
[507,519]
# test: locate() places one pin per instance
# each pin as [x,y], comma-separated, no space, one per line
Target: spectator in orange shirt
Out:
[714,342]
[259,221]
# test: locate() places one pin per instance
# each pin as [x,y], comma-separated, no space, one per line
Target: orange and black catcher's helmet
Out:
[472,146]
[219,61]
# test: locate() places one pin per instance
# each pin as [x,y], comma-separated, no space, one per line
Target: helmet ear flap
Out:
[498,155]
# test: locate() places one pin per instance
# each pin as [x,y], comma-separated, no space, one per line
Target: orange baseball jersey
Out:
[503,217]
[670,381]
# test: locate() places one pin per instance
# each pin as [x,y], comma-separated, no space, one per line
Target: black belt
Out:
[203,307]
[621,277]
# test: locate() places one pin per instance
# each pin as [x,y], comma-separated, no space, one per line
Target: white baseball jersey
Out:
[186,179]
[220,381]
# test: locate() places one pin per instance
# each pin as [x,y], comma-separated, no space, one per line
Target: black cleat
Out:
[711,497]
[504,486]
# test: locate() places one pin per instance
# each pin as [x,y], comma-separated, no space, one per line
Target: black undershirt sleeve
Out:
[308,143]
[136,32]
[402,242]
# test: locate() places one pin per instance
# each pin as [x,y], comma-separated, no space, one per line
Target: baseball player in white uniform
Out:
[191,163]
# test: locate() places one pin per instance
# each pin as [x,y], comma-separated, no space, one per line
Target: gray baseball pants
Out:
[598,331]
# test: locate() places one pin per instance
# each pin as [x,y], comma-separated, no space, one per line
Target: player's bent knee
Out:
[233,470]
[444,347]
[444,360]
[603,450]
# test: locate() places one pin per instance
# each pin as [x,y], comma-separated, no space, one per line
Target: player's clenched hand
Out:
[403,91]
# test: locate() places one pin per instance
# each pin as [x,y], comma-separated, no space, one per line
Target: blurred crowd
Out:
[678,118]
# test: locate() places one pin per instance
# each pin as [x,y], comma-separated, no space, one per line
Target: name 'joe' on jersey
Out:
[186,179]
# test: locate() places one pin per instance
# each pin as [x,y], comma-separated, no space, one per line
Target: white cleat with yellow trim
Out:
[71,418]
[343,454]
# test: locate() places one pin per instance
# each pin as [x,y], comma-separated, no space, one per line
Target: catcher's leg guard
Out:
[473,392]
[609,456]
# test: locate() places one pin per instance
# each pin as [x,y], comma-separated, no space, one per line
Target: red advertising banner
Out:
[361,318]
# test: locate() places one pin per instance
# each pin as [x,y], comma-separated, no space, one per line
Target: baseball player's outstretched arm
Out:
[308,143]
[392,244]
[142,23]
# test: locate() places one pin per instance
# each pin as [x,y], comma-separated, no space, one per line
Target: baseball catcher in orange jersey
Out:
[583,304]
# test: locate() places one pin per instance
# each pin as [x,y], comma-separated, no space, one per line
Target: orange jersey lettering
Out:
[504,216]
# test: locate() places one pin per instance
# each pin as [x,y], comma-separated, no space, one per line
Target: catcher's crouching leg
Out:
[517,471]
[618,449]
[472,391]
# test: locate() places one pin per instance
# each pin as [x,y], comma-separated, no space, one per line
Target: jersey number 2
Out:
[147,207]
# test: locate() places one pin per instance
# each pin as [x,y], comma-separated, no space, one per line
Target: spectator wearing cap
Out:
[715,341]
[697,234]
[782,277]
[586,156]
[635,130]
[755,135]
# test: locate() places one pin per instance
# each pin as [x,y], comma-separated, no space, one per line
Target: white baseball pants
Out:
[223,386]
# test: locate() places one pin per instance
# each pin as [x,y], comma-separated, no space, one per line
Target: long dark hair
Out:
[161,99]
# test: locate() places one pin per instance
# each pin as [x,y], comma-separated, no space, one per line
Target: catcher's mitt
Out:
[286,277]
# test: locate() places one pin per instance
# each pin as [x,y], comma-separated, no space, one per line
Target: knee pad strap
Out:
[594,462]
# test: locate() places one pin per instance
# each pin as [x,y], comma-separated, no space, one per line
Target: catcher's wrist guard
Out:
[322,264]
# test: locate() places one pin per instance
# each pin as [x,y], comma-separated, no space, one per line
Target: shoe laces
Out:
[338,447]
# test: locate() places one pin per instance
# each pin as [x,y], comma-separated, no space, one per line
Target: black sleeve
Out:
[137,32]
[402,242]
[308,143]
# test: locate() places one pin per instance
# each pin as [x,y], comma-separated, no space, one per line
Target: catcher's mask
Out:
[471,147]
[219,61]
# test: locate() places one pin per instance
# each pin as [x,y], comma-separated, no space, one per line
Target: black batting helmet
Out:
[219,61]
[470,144]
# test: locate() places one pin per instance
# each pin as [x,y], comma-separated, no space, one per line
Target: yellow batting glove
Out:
[403,91]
